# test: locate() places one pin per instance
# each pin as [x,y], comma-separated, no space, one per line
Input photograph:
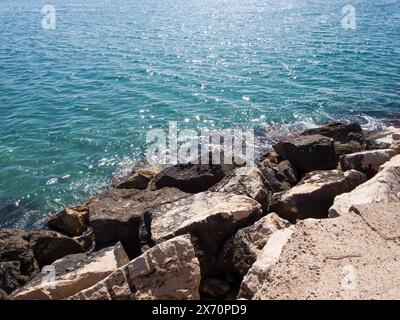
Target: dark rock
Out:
[3,295]
[242,249]
[308,153]
[191,178]
[281,176]
[115,215]
[347,148]
[9,276]
[214,288]
[70,221]
[338,131]
[315,193]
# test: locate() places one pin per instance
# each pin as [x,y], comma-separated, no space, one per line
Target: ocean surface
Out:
[76,102]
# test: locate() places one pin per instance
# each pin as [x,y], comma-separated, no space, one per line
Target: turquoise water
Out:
[76,102]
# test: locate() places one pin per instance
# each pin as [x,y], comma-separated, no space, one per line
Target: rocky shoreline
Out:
[317,218]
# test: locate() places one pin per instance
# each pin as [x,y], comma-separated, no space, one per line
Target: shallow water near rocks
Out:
[76,102]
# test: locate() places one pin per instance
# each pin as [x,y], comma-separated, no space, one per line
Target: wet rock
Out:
[241,250]
[70,221]
[383,187]
[280,176]
[355,256]
[347,148]
[367,162]
[338,131]
[210,217]
[247,181]
[115,215]
[139,178]
[167,271]
[72,274]
[269,255]
[308,153]
[214,288]
[315,193]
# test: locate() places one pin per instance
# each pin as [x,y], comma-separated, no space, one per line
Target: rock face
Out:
[139,178]
[169,270]
[367,162]
[241,250]
[315,193]
[115,215]
[280,176]
[247,181]
[338,131]
[210,217]
[266,259]
[73,274]
[384,187]
[23,254]
[70,221]
[355,256]
[308,153]
[192,178]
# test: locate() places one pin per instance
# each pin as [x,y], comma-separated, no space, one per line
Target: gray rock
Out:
[280,176]
[338,131]
[10,275]
[169,270]
[315,193]
[308,153]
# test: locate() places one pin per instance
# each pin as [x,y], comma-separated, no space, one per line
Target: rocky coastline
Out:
[318,217]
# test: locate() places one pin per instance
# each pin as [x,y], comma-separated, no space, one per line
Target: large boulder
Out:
[210,217]
[367,162]
[23,254]
[338,131]
[279,176]
[169,270]
[308,153]
[71,221]
[315,193]
[355,256]
[383,187]
[242,249]
[115,215]
[139,178]
[268,256]
[248,181]
[72,274]
[192,178]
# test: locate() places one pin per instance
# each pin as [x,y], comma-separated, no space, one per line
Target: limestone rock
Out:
[338,131]
[115,215]
[269,255]
[382,139]
[308,153]
[354,256]
[247,181]
[169,270]
[347,148]
[315,193]
[210,217]
[10,275]
[139,178]
[72,274]
[367,162]
[242,249]
[383,187]
[71,221]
